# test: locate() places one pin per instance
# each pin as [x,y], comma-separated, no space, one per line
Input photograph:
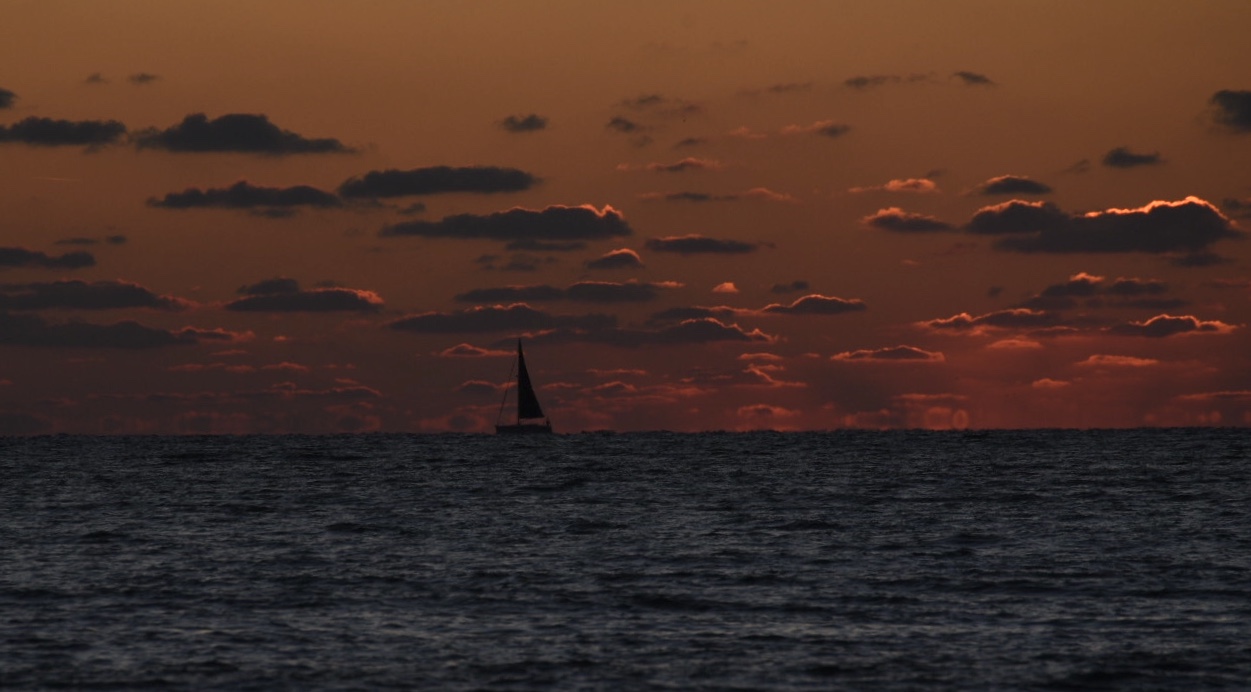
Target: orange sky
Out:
[323,216]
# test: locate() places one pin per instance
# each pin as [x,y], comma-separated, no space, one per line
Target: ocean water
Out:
[1047,560]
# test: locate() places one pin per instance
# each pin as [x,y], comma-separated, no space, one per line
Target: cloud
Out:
[14,257]
[898,220]
[46,132]
[82,295]
[1013,185]
[515,317]
[31,330]
[470,351]
[1015,318]
[663,105]
[1048,383]
[1017,216]
[690,142]
[824,128]
[1162,326]
[1100,361]
[694,312]
[689,163]
[973,78]
[81,240]
[693,331]
[1094,290]
[913,185]
[792,287]
[1190,225]
[437,180]
[761,193]
[584,291]
[697,244]
[558,222]
[524,123]
[7,98]
[621,258]
[815,304]
[624,125]
[780,89]
[1122,157]
[1232,109]
[893,354]
[725,287]
[244,195]
[865,82]
[142,78]
[234,132]
[284,295]
[545,246]
[95,78]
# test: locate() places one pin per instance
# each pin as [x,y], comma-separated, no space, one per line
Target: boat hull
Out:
[524,429]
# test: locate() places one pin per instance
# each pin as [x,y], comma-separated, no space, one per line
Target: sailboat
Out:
[528,408]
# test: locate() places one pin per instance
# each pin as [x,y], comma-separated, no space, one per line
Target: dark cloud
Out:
[1017,216]
[82,295]
[141,78]
[12,257]
[95,78]
[1233,109]
[498,318]
[234,132]
[863,82]
[1095,291]
[900,221]
[518,262]
[524,123]
[691,197]
[1016,318]
[1013,185]
[7,98]
[893,354]
[270,286]
[511,294]
[687,164]
[693,312]
[619,124]
[1199,259]
[792,287]
[285,295]
[1122,157]
[1187,225]
[559,223]
[411,209]
[31,330]
[698,244]
[816,305]
[544,246]
[46,132]
[623,258]
[1237,207]
[244,195]
[1162,326]
[690,142]
[694,331]
[973,78]
[1082,166]
[437,180]
[584,291]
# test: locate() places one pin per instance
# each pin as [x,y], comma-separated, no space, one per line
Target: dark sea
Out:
[1042,560]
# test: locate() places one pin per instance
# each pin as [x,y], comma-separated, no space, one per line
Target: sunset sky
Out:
[318,216]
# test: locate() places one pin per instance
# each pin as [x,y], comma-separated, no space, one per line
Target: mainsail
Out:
[527,402]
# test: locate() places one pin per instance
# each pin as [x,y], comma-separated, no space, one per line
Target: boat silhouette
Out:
[528,408]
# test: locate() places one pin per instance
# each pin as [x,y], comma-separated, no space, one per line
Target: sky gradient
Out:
[297,216]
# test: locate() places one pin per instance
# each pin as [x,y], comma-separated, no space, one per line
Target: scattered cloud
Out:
[697,244]
[824,128]
[912,185]
[1189,225]
[1232,109]
[898,220]
[15,257]
[1162,326]
[285,295]
[1102,361]
[973,78]
[761,193]
[621,258]
[1122,157]
[893,354]
[624,125]
[142,78]
[32,330]
[792,287]
[234,132]
[95,78]
[779,89]
[1015,318]
[1095,291]
[524,123]
[690,142]
[866,82]
[815,304]
[693,331]
[558,223]
[583,291]
[244,195]
[689,163]
[82,240]
[7,98]
[1048,383]
[438,180]
[83,295]
[515,317]
[1013,185]
[470,351]
[46,132]
[725,287]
